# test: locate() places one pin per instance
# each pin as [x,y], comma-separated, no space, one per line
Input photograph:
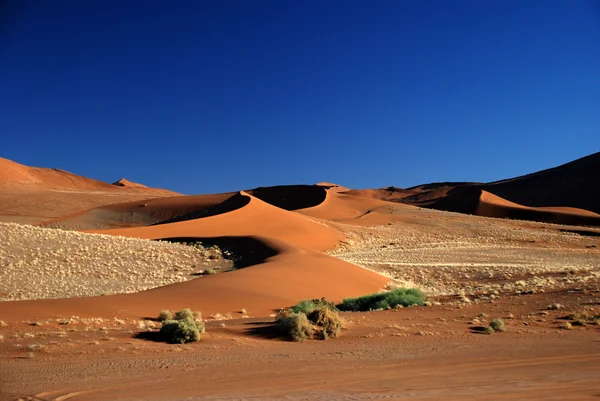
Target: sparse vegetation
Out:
[489,330]
[584,318]
[306,306]
[497,325]
[48,263]
[327,321]
[295,325]
[165,314]
[566,326]
[188,315]
[384,300]
[317,318]
[186,326]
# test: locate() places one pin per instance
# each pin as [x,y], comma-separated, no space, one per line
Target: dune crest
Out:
[124,182]
[293,269]
[16,175]
[491,205]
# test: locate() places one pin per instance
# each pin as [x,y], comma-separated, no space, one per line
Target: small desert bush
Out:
[185,326]
[384,300]
[497,325]
[186,314]
[294,325]
[327,322]
[307,306]
[585,317]
[489,330]
[165,314]
[321,322]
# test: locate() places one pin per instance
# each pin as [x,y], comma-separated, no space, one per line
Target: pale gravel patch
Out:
[445,256]
[39,263]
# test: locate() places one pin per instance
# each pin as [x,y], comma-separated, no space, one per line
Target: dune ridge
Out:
[567,194]
[490,205]
[15,175]
[295,268]
[124,182]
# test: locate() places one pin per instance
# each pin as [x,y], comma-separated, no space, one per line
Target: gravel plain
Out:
[39,263]
[467,255]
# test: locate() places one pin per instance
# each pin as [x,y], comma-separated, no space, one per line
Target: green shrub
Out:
[180,331]
[497,325]
[294,325]
[165,314]
[306,306]
[489,330]
[328,322]
[184,326]
[184,314]
[384,300]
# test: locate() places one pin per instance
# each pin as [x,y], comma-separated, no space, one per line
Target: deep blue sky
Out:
[212,96]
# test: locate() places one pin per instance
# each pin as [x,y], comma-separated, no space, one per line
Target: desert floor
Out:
[86,330]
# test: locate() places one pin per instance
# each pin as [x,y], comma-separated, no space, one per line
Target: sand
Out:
[293,242]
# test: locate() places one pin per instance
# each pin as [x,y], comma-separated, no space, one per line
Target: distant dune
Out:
[15,175]
[567,194]
[124,182]
[392,194]
[33,195]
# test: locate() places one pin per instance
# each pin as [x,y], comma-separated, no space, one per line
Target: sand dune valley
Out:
[87,266]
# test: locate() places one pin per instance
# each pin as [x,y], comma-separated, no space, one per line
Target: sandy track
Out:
[39,263]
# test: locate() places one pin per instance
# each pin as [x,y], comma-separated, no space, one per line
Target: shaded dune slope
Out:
[575,184]
[491,205]
[291,268]
[230,204]
[567,194]
[255,218]
[175,209]
[473,200]
[391,194]
[139,213]
[291,197]
[351,209]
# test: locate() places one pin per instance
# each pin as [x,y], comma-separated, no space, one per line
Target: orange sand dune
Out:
[291,197]
[332,187]
[281,281]
[491,205]
[33,195]
[138,213]
[168,210]
[124,182]
[572,188]
[15,175]
[257,218]
[350,209]
[392,194]
[296,271]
